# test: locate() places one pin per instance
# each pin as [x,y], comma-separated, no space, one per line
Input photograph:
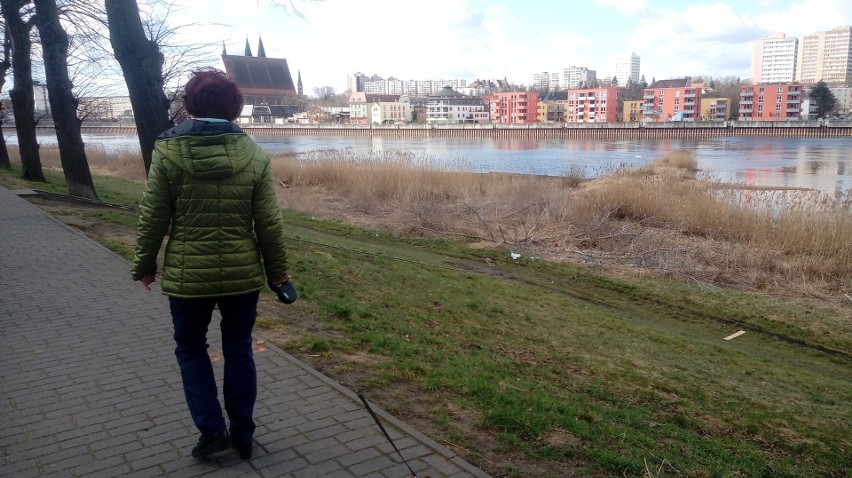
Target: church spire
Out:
[261,52]
[299,84]
[248,47]
[224,50]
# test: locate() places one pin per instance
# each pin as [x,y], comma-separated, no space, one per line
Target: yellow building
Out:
[632,112]
[551,107]
[714,109]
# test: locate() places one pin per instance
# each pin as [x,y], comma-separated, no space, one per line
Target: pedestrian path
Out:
[89,385]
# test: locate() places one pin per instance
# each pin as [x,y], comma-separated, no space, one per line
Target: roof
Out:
[555,96]
[446,92]
[676,83]
[272,75]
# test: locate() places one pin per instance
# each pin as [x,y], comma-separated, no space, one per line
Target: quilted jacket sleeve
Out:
[269,226]
[155,215]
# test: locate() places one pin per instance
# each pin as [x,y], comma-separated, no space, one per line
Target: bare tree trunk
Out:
[5,64]
[63,105]
[142,66]
[23,101]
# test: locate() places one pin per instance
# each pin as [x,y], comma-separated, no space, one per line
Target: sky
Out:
[469,39]
[489,39]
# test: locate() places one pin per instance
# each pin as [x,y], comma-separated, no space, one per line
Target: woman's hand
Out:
[147,280]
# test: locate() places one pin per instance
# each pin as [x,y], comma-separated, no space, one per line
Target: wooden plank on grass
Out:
[735,335]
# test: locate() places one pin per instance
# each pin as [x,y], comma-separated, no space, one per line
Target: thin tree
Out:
[23,100]
[824,99]
[5,65]
[142,67]
[63,104]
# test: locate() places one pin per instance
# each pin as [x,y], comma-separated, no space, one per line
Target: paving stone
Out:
[89,384]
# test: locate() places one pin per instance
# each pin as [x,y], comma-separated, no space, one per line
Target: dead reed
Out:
[658,218]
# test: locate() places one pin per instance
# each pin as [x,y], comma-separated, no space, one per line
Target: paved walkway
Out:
[89,385]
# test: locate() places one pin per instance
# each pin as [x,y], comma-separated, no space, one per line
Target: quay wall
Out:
[779,129]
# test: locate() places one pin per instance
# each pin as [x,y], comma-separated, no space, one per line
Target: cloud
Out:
[625,7]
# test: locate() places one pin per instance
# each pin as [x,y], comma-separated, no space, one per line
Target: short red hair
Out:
[211,93]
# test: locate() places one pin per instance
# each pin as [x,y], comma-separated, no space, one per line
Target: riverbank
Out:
[764,129]
[533,368]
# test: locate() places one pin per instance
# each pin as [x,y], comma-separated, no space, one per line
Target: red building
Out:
[592,105]
[514,107]
[771,102]
[672,100]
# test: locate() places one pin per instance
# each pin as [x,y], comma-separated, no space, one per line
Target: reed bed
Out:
[121,163]
[658,218]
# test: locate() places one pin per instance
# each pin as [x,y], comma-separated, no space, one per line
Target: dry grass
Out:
[658,219]
[120,163]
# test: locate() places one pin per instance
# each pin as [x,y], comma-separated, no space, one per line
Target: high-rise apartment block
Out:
[578,77]
[627,67]
[826,56]
[774,59]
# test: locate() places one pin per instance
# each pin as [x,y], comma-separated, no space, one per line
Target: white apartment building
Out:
[546,81]
[450,106]
[826,56]
[774,59]
[627,67]
[392,111]
[415,88]
[577,77]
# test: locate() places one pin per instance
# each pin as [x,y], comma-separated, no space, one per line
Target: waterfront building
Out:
[592,105]
[771,102]
[399,111]
[451,107]
[632,111]
[514,107]
[843,95]
[627,67]
[551,107]
[826,56]
[671,100]
[262,80]
[774,59]
[361,105]
[104,108]
[714,108]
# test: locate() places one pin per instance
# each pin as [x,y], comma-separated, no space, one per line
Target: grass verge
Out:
[533,368]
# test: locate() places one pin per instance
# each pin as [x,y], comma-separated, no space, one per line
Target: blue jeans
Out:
[191,317]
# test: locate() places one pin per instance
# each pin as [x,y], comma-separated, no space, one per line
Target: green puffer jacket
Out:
[211,184]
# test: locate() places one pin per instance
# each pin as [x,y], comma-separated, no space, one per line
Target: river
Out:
[813,163]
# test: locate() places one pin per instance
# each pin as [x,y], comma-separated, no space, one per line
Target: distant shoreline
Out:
[774,129]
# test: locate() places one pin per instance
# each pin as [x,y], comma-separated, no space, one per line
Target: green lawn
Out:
[556,364]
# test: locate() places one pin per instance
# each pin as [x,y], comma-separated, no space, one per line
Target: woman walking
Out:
[211,186]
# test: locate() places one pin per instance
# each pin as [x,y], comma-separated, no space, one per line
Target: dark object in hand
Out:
[286,292]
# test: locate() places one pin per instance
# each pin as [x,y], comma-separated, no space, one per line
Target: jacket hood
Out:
[205,149]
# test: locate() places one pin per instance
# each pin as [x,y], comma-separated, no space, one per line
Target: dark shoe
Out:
[244,449]
[211,444]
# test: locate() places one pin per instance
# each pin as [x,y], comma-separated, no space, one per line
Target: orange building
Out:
[514,107]
[592,105]
[672,100]
[773,102]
